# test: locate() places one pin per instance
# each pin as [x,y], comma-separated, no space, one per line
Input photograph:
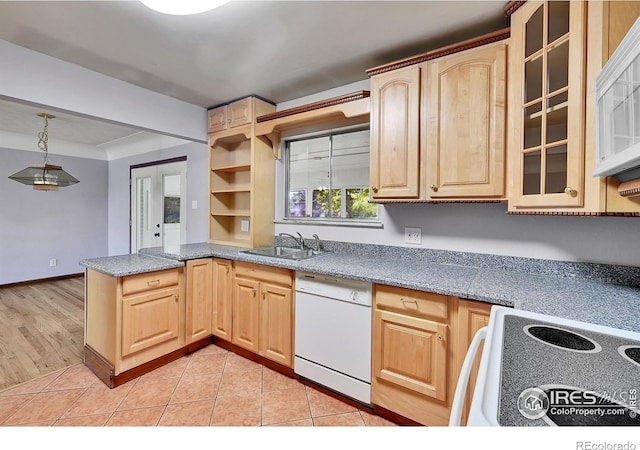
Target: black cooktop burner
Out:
[560,338]
[630,353]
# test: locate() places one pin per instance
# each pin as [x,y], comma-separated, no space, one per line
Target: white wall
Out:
[35,226]
[197,189]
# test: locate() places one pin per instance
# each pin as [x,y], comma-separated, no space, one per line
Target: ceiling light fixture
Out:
[47,177]
[183,7]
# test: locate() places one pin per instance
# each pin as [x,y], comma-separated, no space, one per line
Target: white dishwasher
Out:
[333,333]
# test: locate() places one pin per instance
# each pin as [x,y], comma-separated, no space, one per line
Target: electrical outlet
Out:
[412,235]
[244,225]
[53,262]
[194,204]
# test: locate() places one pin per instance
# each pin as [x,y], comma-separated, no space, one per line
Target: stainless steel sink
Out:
[283,252]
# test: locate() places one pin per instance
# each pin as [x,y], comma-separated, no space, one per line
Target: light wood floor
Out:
[41,328]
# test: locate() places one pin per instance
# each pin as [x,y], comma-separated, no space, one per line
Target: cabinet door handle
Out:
[264,295]
[440,337]
[408,301]
[227,269]
[254,292]
[434,188]
[175,297]
[570,191]
[153,283]
[374,189]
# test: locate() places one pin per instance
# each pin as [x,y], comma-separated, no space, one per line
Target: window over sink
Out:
[327,178]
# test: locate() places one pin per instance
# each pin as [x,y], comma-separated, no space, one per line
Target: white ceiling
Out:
[279,50]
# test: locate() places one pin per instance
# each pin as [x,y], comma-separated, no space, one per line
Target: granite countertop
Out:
[596,293]
[122,265]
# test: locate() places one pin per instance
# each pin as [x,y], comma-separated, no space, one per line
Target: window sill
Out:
[364,223]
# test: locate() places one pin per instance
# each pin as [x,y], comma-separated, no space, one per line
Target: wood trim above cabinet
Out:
[454,48]
[512,7]
[314,106]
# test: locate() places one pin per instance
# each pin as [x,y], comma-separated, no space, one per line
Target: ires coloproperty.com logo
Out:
[568,405]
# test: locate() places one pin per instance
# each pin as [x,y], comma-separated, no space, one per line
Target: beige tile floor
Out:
[211,387]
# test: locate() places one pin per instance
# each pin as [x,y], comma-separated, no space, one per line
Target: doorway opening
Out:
[158,204]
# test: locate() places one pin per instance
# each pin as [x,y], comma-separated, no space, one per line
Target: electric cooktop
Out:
[561,375]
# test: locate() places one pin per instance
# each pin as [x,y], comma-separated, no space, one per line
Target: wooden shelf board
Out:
[231,191]
[232,168]
[243,213]
[232,243]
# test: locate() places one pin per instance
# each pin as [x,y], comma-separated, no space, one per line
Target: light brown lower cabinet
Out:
[222,295]
[471,317]
[419,342]
[199,291]
[262,313]
[134,319]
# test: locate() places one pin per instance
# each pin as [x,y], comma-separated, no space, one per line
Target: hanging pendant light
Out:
[46,177]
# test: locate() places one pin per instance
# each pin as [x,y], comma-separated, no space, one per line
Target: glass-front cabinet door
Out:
[547,67]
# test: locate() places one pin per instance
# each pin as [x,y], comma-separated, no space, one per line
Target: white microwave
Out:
[618,111]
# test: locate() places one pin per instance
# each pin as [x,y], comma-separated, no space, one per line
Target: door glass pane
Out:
[556,170]
[558,67]
[533,33]
[143,212]
[533,79]
[171,210]
[556,125]
[558,99]
[533,126]
[558,20]
[532,173]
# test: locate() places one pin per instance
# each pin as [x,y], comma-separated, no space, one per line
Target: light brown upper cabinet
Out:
[557,50]
[232,115]
[547,104]
[438,124]
[464,97]
[395,135]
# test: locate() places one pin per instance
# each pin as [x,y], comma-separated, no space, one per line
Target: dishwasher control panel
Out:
[354,291]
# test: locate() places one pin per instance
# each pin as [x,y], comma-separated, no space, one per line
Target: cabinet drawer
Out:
[263,273]
[148,281]
[412,302]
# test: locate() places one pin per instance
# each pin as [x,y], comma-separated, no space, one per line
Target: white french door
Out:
[158,205]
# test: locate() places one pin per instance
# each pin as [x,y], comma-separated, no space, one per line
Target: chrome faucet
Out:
[299,240]
[315,236]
